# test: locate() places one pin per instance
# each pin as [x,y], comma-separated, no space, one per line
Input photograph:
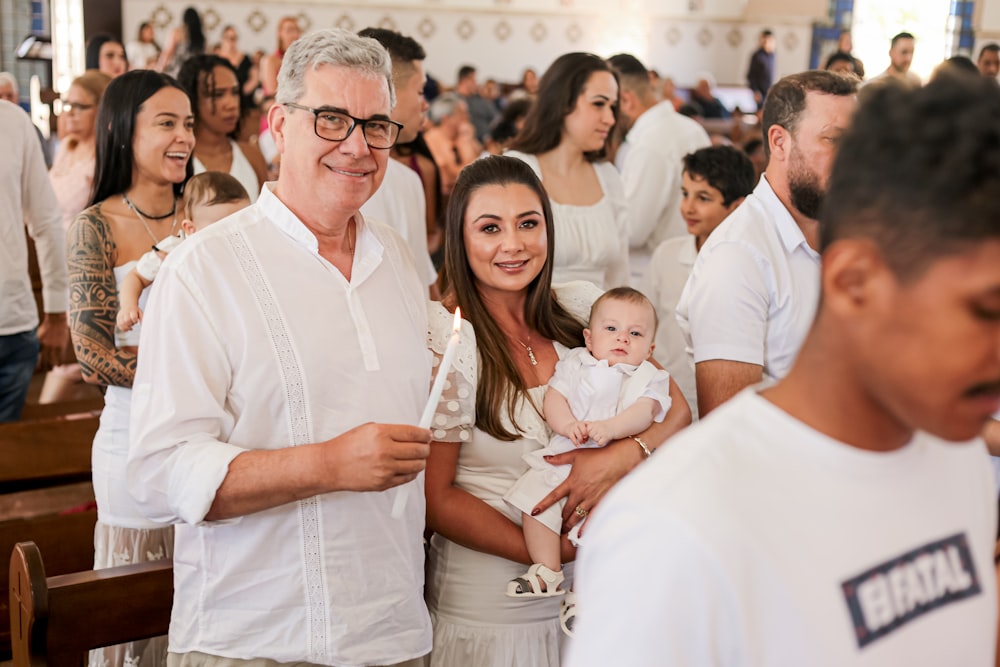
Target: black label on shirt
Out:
[888,596]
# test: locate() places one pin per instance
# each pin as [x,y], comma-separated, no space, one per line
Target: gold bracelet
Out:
[645,447]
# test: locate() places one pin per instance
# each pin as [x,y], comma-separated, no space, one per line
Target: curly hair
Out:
[726,169]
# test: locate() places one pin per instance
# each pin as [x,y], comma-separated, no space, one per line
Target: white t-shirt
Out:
[663,283]
[400,203]
[753,540]
[651,172]
[754,288]
[288,352]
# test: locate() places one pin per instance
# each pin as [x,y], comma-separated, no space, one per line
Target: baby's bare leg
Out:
[543,544]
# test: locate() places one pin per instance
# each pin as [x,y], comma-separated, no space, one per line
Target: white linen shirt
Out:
[400,203]
[662,284]
[252,340]
[651,173]
[754,288]
[26,198]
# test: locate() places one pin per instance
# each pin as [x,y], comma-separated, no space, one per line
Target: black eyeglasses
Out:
[337,126]
[69,107]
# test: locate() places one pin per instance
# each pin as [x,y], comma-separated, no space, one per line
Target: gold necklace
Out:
[527,348]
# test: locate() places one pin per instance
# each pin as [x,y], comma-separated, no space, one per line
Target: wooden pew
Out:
[44,453]
[68,543]
[90,407]
[56,620]
[45,469]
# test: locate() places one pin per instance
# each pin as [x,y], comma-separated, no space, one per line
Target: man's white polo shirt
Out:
[753,291]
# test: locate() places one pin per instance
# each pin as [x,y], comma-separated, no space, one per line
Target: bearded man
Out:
[754,288]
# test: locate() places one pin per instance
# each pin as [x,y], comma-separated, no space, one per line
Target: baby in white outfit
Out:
[605,392]
[208,197]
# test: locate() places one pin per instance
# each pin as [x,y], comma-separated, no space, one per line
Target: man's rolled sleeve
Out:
[728,306]
[178,457]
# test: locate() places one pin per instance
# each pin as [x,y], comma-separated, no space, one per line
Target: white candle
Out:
[403,491]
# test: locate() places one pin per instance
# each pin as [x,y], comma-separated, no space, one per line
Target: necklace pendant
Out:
[531,356]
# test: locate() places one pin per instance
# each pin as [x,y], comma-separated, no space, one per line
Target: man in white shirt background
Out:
[399,202]
[283,356]
[26,199]
[752,293]
[656,139]
[901,49]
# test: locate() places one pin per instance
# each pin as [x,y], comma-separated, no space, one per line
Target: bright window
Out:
[876,21]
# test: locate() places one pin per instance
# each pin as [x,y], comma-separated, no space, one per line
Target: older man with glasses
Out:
[276,427]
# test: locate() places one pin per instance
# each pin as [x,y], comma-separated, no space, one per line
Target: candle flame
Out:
[457,326]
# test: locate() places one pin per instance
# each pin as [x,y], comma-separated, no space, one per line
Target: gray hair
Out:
[443,106]
[331,46]
[8,78]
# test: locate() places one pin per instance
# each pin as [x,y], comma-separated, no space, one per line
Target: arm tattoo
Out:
[93,301]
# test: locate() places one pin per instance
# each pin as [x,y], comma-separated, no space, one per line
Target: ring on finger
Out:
[579,511]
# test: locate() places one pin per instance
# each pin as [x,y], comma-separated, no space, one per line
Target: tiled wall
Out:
[505,39]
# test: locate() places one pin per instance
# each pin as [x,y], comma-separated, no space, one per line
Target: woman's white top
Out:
[591,242]
[240,169]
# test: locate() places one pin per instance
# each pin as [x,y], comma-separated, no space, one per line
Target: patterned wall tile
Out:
[465,29]
[510,37]
[502,31]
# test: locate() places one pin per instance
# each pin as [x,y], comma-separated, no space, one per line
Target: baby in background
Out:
[208,197]
[606,391]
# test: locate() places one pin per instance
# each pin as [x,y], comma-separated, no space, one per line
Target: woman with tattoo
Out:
[144,143]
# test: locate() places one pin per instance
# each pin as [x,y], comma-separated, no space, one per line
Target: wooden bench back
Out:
[84,406]
[56,620]
[68,543]
[41,453]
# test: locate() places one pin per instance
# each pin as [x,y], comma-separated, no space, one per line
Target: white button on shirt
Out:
[753,292]
[252,340]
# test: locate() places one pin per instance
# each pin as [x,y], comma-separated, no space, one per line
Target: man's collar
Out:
[626,369]
[789,231]
[368,249]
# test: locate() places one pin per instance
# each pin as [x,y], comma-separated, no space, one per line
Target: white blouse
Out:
[252,340]
[591,242]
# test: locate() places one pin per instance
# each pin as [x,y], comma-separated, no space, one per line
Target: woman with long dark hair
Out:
[565,140]
[499,241]
[185,41]
[106,53]
[144,144]
[214,91]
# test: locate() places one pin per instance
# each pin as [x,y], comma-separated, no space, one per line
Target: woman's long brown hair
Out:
[500,384]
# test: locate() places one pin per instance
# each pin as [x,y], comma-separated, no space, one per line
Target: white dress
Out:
[122,535]
[475,623]
[240,169]
[591,242]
